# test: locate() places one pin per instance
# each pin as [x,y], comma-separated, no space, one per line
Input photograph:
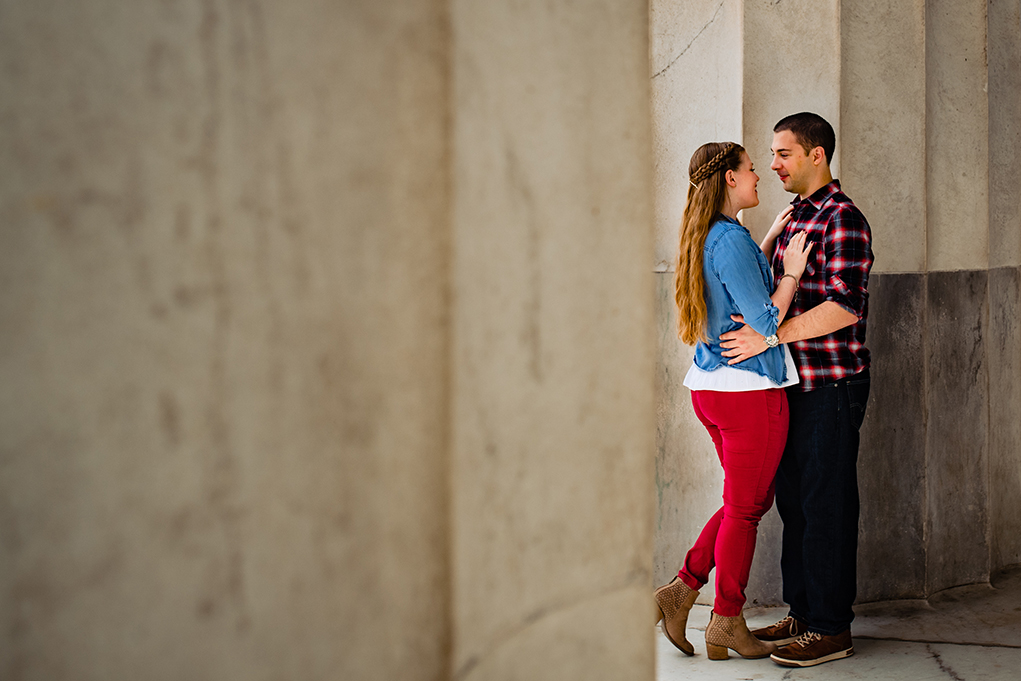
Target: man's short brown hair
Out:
[811,130]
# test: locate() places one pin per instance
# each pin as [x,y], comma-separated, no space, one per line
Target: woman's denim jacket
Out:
[738,280]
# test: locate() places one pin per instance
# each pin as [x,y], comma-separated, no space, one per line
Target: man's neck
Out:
[821,181]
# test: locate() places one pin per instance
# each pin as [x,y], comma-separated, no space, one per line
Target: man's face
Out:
[791,163]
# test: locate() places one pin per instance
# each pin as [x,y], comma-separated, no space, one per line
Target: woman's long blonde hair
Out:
[706,193]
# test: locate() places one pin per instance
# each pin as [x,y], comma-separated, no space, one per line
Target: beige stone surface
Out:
[689,478]
[1004,55]
[224,357]
[695,65]
[553,354]
[791,64]
[882,126]
[957,135]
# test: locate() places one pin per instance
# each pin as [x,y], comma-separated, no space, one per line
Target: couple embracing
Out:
[780,379]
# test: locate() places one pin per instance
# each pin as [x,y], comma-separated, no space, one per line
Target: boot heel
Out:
[717,652]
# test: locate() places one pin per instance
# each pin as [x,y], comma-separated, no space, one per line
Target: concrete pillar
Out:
[696,66]
[325,341]
[882,126]
[957,227]
[883,144]
[1004,54]
[791,64]
[957,135]
[553,435]
[219,267]
[1004,92]
[696,98]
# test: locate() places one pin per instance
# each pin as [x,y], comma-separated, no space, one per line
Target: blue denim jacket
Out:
[738,280]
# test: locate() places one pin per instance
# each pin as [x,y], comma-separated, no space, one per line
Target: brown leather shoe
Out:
[675,601]
[783,632]
[812,649]
[732,632]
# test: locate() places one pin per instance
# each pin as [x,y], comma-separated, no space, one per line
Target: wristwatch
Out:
[772,341]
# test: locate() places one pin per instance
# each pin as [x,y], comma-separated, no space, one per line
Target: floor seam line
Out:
[933,641]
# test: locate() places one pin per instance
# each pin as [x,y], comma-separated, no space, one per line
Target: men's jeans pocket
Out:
[858,399]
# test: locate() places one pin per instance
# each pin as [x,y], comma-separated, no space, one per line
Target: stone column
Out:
[957,228]
[882,140]
[553,428]
[791,64]
[224,367]
[1004,54]
[325,341]
[695,70]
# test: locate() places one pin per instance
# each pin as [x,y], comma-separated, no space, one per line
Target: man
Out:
[817,483]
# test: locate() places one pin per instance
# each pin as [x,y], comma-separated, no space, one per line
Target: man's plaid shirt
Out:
[838,270]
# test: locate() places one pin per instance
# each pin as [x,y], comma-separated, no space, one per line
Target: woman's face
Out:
[741,190]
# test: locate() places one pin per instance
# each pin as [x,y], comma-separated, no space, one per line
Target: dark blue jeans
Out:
[817,497]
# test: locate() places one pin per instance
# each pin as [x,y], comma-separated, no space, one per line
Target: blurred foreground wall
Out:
[326,340]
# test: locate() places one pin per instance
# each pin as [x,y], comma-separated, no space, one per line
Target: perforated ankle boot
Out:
[732,632]
[675,601]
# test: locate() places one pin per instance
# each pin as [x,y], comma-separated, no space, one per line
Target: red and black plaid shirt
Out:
[838,270]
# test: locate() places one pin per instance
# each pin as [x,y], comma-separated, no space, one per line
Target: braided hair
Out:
[706,174]
[709,168]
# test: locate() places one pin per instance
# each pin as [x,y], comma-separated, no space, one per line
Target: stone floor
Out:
[966,634]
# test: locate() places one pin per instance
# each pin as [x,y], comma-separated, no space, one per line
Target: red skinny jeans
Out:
[749,430]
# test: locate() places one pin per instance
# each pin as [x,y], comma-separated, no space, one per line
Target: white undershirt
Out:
[728,379]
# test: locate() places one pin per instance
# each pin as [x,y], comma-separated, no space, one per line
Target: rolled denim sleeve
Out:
[848,247]
[737,267]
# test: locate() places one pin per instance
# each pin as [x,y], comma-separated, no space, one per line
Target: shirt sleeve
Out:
[741,277]
[848,246]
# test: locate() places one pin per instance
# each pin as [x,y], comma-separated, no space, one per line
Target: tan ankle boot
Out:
[675,601]
[732,632]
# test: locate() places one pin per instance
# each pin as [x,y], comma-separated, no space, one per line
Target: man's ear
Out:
[818,156]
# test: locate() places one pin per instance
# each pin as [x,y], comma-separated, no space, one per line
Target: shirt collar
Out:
[820,196]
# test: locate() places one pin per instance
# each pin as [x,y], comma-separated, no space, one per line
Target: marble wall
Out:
[924,150]
[326,341]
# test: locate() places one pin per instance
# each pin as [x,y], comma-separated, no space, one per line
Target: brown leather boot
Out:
[732,632]
[675,601]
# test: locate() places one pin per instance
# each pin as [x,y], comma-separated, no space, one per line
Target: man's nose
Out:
[775,165]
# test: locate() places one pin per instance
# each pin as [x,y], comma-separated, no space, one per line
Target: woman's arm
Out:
[769,241]
[795,259]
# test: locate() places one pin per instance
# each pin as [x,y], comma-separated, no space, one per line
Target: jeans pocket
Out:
[858,399]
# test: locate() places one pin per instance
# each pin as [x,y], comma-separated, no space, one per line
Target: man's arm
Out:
[847,243]
[821,320]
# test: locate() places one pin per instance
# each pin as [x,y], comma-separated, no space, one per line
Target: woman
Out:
[721,272]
